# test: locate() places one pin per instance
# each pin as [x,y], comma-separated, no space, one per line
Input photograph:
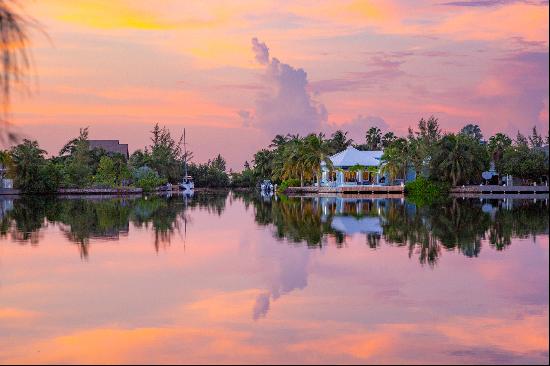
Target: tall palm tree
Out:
[263,163]
[396,159]
[5,163]
[459,159]
[316,151]
[293,160]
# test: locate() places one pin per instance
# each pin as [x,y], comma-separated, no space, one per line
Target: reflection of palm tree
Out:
[425,231]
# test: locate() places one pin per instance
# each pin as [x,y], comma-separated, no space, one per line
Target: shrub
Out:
[288,183]
[106,173]
[423,191]
[147,179]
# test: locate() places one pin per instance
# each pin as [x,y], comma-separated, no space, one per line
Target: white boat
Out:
[187,185]
[266,186]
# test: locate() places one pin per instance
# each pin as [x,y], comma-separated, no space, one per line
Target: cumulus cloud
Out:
[286,105]
[261,51]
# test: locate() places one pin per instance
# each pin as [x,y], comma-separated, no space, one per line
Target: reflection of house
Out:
[355,167]
[6,205]
[352,225]
[351,216]
[5,182]
[111,146]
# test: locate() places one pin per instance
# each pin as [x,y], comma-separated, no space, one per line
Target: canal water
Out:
[240,278]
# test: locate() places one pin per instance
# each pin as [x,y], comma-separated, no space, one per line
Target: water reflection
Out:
[279,280]
[103,217]
[456,225]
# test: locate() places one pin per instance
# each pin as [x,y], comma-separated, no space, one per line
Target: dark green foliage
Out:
[210,175]
[459,159]
[244,179]
[339,141]
[166,156]
[293,182]
[472,131]
[497,145]
[33,173]
[524,162]
[147,179]
[422,191]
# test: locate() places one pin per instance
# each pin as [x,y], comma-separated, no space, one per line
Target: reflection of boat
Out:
[188,194]
[187,183]
[266,195]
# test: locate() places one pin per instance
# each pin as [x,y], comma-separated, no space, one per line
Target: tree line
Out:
[79,166]
[449,158]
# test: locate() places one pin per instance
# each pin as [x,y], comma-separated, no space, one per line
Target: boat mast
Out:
[184,157]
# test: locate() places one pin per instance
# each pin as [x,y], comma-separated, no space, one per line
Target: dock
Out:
[499,190]
[359,189]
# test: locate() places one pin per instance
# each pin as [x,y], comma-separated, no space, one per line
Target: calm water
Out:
[238,278]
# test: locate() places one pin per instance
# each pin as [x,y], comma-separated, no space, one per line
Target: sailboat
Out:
[187,185]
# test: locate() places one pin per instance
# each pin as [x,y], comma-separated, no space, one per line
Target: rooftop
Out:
[113,146]
[351,156]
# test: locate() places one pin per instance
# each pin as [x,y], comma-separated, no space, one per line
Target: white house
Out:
[366,168]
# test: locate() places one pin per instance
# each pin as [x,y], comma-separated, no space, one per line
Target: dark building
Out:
[112,146]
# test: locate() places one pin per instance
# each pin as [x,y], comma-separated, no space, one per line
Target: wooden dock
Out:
[359,189]
[499,190]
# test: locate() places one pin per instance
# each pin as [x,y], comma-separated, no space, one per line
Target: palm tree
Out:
[293,160]
[497,145]
[15,60]
[263,163]
[316,151]
[459,159]
[396,159]
[339,141]
[5,163]
[392,163]
[373,138]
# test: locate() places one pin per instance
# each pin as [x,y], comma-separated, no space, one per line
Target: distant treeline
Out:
[79,166]
[448,158]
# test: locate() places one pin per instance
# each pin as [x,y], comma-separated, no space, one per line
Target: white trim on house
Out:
[351,157]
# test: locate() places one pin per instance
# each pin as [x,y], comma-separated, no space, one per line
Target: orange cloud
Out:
[527,21]
[104,14]
[525,334]
[16,314]
[132,345]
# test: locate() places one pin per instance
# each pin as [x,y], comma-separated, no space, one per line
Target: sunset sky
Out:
[236,74]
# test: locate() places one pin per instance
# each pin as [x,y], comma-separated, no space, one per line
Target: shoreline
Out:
[483,192]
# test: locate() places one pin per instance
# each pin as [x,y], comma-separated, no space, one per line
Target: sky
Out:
[235,74]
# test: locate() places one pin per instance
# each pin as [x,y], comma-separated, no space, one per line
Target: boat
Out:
[187,185]
[266,186]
